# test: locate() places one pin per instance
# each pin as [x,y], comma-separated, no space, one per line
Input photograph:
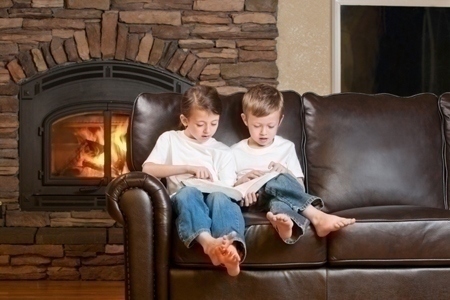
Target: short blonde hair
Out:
[261,100]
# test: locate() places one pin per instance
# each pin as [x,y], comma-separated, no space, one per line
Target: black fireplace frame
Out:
[66,90]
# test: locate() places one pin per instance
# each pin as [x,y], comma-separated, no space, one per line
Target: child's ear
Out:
[183,120]
[244,118]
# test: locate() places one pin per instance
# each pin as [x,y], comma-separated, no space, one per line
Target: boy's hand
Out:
[249,176]
[277,167]
[200,172]
[249,199]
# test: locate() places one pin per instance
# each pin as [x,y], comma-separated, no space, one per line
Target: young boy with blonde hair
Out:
[289,208]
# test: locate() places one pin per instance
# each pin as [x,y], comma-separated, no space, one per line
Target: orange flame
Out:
[91,156]
[119,149]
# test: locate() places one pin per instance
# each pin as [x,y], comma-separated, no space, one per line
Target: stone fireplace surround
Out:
[227,44]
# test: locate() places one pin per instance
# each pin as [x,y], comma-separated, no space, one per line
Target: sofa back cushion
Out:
[152,115]
[368,150]
[155,113]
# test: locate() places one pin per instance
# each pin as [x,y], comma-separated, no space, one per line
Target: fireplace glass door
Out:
[88,145]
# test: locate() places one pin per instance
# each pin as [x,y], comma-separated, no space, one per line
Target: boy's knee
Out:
[284,181]
[218,196]
[187,194]
[220,201]
[188,191]
[281,179]
[287,176]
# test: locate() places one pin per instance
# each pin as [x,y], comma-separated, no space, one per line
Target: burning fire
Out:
[88,158]
[91,155]
[119,149]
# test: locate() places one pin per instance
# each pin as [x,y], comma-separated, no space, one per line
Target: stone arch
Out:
[113,43]
[232,48]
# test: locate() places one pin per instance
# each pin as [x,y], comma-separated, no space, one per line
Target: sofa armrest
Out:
[141,203]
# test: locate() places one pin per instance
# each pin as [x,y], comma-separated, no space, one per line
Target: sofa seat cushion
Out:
[392,235]
[265,249]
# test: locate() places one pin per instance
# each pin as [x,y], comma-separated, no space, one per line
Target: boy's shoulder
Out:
[165,137]
[239,144]
[170,133]
[281,141]
[172,137]
[217,145]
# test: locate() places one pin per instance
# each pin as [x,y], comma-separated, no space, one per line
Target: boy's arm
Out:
[156,165]
[163,170]
[277,167]
[250,198]
[249,176]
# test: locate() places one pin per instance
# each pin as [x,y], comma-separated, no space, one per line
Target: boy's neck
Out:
[252,144]
[191,138]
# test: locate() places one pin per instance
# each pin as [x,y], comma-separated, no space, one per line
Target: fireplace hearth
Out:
[72,133]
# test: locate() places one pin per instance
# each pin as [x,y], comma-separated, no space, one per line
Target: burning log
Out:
[93,166]
[85,149]
[93,148]
[87,159]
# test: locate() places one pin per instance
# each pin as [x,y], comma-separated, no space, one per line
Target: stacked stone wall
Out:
[227,44]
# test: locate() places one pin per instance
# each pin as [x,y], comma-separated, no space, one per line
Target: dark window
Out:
[398,50]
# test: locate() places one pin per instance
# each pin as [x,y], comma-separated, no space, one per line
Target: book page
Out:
[237,192]
[255,184]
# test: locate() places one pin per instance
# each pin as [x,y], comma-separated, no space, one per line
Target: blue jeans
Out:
[285,195]
[214,213]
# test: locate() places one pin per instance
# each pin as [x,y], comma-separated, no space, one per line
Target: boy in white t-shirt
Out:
[289,208]
[213,220]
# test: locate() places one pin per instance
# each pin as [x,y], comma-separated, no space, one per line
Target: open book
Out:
[234,192]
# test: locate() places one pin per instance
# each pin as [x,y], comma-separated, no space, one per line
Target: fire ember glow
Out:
[78,145]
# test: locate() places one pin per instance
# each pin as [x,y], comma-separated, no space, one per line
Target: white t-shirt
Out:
[281,151]
[175,148]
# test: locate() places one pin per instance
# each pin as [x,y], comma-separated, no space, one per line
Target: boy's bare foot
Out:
[221,251]
[213,246]
[282,223]
[230,258]
[325,223]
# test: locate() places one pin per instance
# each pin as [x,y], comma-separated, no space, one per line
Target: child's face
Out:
[201,125]
[262,129]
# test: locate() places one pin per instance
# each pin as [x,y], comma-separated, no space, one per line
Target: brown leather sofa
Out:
[381,159]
